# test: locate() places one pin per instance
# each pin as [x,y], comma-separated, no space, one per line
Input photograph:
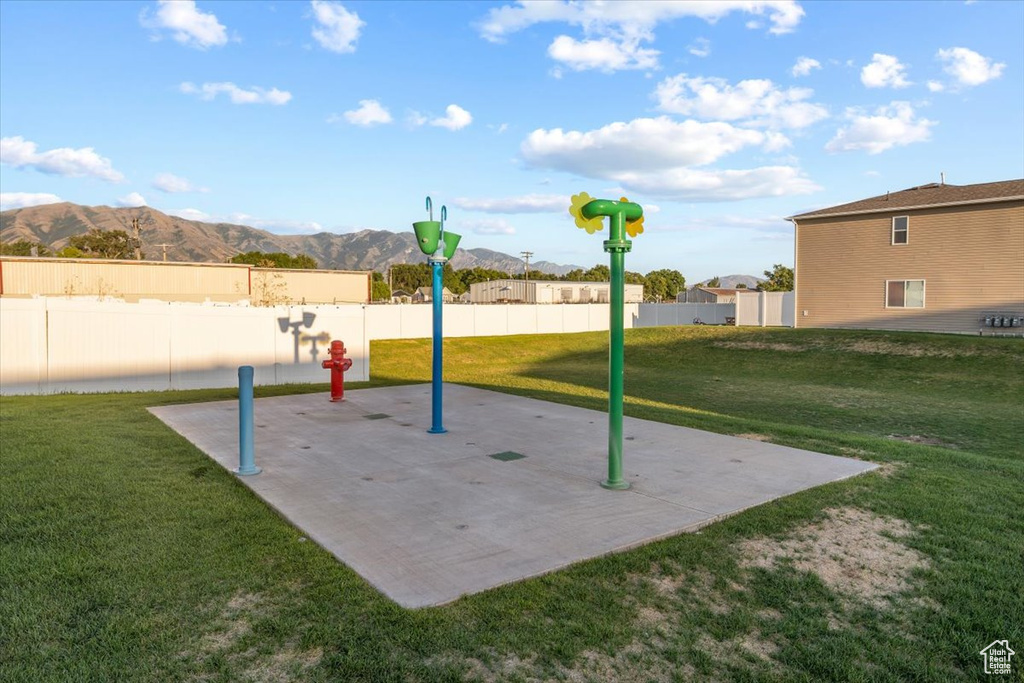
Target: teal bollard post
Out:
[246,457]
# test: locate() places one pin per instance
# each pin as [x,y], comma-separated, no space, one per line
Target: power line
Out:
[526,255]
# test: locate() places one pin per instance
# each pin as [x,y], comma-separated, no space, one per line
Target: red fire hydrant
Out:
[338,364]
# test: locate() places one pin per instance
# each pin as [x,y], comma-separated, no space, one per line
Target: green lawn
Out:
[126,554]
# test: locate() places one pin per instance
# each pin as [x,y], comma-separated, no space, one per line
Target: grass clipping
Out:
[854,552]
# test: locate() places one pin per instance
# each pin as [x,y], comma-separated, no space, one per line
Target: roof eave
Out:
[989,200]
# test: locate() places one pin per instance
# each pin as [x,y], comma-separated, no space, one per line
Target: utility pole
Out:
[138,240]
[526,255]
[164,247]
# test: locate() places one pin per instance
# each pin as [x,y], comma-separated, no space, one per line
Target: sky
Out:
[719,118]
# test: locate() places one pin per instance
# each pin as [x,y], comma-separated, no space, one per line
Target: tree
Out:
[111,244]
[741,285]
[379,290]
[780,279]
[268,289]
[713,282]
[24,248]
[599,273]
[276,259]
[664,284]
[410,276]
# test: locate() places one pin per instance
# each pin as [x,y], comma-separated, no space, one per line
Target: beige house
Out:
[940,258]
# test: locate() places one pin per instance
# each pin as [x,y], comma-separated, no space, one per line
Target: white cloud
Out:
[935,86]
[276,226]
[890,126]
[187,24]
[968,67]
[804,66]
[19,200]
[369,113]
[701,47]
[699,185]
[655,156]
[455,118]
[414,118]
[755,101]
[491,226]
[613,31]
[634,17]
[170,183]
[337,28]
[884,71]
[530,203]
[604,54]
[63,161]
[189,214]
[650,144]
[254,95]
[132,199]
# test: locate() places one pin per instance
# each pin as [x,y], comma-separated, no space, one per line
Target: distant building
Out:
[424,295]
[548,292]
[709,295]
[400,296]
[937,257]
[26,276]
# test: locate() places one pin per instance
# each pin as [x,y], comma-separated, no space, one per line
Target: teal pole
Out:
[617,247]
[437,386]
[246,456]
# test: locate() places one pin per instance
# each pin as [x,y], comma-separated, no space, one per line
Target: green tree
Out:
[635,278]
[379,290]
[24,248]
[111,244]
[277,258]
[664,284]
[599,273]
[780,279]
[741,285]
[409,276]
[713,282]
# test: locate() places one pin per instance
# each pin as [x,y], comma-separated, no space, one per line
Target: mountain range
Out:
[188,240]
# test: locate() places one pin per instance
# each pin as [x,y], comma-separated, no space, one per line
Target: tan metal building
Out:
[548,292]
[23,276]
[940,258]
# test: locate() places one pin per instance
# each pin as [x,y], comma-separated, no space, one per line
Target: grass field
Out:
[126,554]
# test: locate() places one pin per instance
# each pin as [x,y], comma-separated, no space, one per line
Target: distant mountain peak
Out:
[190,240]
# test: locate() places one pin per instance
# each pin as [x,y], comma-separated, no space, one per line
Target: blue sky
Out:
[720,118]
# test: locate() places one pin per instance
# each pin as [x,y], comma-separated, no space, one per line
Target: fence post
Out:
[246,458]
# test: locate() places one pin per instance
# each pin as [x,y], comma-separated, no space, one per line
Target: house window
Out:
[904,293]
[900,229]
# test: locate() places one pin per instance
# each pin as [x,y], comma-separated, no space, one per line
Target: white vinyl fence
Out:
[660,315]
[765,309]
[53,345]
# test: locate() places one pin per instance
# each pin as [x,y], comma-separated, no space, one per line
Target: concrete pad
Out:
[427,518]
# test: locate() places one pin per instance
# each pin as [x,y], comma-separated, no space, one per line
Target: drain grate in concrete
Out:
[376,416]
[506,456]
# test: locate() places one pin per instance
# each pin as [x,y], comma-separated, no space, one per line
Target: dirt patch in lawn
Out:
[755,437]
[854,552]
[762,346]
[923,440]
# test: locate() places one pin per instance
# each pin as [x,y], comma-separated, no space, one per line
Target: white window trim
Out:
[924,293]
[892,233]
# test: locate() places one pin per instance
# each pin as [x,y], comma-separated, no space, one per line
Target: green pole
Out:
[617,247]
[588,212]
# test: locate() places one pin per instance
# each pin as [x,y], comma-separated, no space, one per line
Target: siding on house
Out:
[971,258]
